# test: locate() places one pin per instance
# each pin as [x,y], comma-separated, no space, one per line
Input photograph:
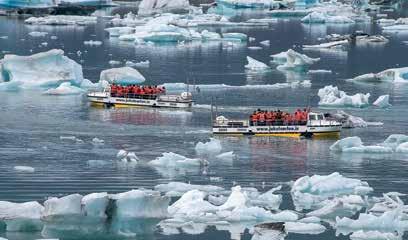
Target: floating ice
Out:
[350,121]
[270,4]
[38,34]
[61,20]
[332,97]
[235,36]
[149,7]
[68,205]
[65,88]
[93,43]
[210,36]
[212,147]
[343,206]
[319,17]
[319,71]
[173,160]
[309,191]
[21,216]
[265,43]
[355,145]
[326,45]
[127,157]
[44,69]
[304,228]
[98,141]
[119,31]
[71,138]
[190,204]
[124,75]
[256,65]
[382,101]
[292,60]
[179,188]
[24,169]
[397,75]
[95,204]
[375,235]
[227,156]
[142,64]
[140,204]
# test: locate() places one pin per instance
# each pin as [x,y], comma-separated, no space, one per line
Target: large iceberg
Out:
[46,69]
[332,97]
[309,191]
[149,7]
[292,60]
[123,75]
[397,75]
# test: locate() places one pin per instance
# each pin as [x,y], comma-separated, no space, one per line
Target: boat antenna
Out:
[212,110]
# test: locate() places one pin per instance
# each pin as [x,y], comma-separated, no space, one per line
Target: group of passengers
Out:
[265,118]
[135,91]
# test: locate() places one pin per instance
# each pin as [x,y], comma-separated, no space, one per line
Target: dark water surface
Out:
[31,124]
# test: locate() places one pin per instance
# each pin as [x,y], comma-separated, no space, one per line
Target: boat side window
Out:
[320,117]
[312,117]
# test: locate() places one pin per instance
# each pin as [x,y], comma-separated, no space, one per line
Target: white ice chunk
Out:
[119,31]
[333,97]
[65,88]
[382,101]
[374,235]
[93,43]
[227,156]
[256,65]
[173,160]
[61,20]
[265,43]
[181,188]
[149,7]
[38,34]
[212,147]
[68,205]
[24,169]
[210,36]
[355,145]
[140,204]
[124,75]
[292,60]
[42,69]
[304,228]
[142,64]
[21,216]
[235,36]
[394,75]
[95,204]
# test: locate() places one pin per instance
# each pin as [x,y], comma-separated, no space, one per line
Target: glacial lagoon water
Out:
[31,124]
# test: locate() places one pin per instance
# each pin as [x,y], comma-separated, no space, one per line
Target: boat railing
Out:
[135,95]
[318,123]
[277,123]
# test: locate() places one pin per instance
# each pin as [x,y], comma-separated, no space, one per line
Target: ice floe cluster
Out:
[321,202]
[62,20]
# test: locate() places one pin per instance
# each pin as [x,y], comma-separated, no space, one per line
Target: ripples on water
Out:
[31,124]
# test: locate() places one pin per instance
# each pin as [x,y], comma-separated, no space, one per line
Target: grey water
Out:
[31,123]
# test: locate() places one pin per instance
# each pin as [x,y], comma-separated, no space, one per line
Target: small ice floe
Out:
[150,7]
[93,43]
[242,37]
[179,188]
[327,45]
[124,75]
[227,156]
[53,37]
[393,75]
[331,96]
[114,63]
[254,48]
[256,65]
[65,88]
[307,192]
[71,138]
[213,147]
[382,101]
[38,34]
[210,36]
[375,235]
[61,20]
[3,37]
[292,60]
[26,169]
[355,145]
[388,202]
[44,44]
[127,157]
[98,141]
[142,64]
[345,206]
[304,228]
[173,160]
[265,43]
[319,71]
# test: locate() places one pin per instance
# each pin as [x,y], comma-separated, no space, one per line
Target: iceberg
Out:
[95,204]
[65,88]
[256,65]
[44,69]
[173,160]
[21,216]
[213,147]
[179,188]
[61,20]
[149,7]
[394,75]
[122,76]
[292,60]
[355,145]
[140,204]
[382,101]
[309,191]
[332,97]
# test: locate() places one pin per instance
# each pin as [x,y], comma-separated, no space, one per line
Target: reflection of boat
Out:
[105,98]
[315,126]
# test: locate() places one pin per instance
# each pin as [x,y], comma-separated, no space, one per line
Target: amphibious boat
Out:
[109,98]
[314,125]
